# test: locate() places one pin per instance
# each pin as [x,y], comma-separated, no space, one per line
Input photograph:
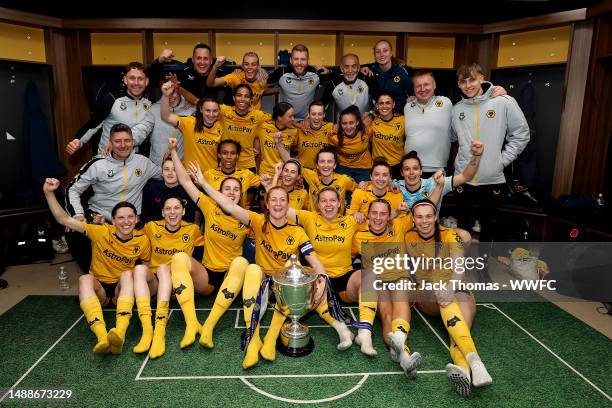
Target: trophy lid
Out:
[295,274]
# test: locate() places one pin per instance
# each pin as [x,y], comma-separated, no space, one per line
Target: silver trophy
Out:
[294,288]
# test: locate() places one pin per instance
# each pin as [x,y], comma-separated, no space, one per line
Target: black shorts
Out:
[109,289]
[215,279]
[340,283]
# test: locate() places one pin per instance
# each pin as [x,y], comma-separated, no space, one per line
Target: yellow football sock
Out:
[227,293]
[403,326]
[92,309]
[252,282]
[268,351]
[158,345]
[457,328]
[116,336]
[183,289]
[457,356]
[143,304]
[323,311]
[367,310]
[251,357]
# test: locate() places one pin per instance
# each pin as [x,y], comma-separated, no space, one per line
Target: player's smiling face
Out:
[125,219]
[326,164]
[242,99]
[424,220]
[169,174]
[383,53]
[289,175]
[173,212]
[316,114]
[378,217]
[350,68]
[329,204]
[210,112]
[380,177]
[411,171]
[122,144]
[385,105]
[277,203]
[231,188]
[250,65]
[228,156]
[349,124]
[136,82]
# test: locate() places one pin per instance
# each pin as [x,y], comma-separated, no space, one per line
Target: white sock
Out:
[364,339]
[346,336]
[480,375]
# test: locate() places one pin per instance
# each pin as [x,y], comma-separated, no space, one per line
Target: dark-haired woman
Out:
[168,236]
[279,128]
[240,123]
[353,145]
[385,290]
[456,308]
[414,188]
[388,133]
[116,249]
[201,133]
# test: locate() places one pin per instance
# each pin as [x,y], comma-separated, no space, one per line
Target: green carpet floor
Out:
[525,374]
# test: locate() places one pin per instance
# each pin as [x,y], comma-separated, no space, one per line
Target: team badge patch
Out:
[461,116]
[136,249]
[490,114]
[123,106]
[157,236]
[459,189]
[496,193]
[138,172]
[340,92]
[288,80]
[311,81]
[439,104]
[360,89]
[146,106]
[290,240]
[396,79]
[185,237]
[342,225]
[390,233]
[425,193]
[252,119]
[110,173]
[413,104]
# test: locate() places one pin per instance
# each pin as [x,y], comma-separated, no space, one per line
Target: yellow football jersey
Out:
[361,199]
[342,183]
[233,80]
[355,151]
[275,245]
[386,244]
[112,256]
[223,236]
[202,146]
[331,240]
[165,243]
[438,266]
[241,128]
[298,199]
[215,177]
[309,143]
[267,145]
[388,138]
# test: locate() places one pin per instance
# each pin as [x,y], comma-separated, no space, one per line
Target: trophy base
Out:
[290,351]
